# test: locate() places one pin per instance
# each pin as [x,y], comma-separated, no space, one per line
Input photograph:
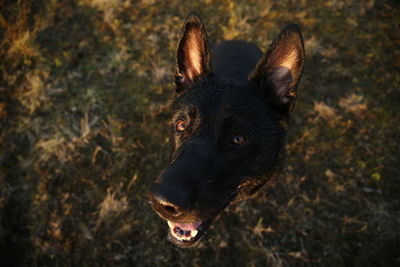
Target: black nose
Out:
[168,201]
[165,207]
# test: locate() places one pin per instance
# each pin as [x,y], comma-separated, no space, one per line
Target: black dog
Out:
[230,120]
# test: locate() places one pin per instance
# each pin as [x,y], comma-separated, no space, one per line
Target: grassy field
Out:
[85,88]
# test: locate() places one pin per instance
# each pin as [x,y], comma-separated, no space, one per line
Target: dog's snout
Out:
[167,202]
[164,206]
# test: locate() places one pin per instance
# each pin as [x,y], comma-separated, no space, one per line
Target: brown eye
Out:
[238,140]
[180,126]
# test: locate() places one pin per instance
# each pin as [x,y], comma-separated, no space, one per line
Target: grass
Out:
[84,105]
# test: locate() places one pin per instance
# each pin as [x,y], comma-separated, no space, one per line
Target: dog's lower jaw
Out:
[193,232]
[181,243]
[184,231]
[187,235]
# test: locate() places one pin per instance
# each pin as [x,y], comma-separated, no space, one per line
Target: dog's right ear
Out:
[278,73]
[193,55]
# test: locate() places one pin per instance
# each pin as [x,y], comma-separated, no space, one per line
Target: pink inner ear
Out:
[289,60]
[194,55]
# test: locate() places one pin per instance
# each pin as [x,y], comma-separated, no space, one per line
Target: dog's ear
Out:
[193,55]
[278,73]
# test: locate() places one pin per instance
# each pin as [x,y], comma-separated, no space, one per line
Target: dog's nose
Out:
[164,207]
[166,201]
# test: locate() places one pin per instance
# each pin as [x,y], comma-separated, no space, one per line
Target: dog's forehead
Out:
[219,97]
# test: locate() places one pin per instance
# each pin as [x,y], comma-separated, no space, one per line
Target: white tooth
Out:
[193,233]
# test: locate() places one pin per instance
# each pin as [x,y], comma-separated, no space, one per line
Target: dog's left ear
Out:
[193,55]
[278,73]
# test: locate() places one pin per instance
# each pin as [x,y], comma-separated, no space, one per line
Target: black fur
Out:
[233,105]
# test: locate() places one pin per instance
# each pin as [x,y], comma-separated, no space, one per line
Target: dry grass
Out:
[84,93]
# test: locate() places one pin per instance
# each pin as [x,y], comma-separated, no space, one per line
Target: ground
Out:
[85,89]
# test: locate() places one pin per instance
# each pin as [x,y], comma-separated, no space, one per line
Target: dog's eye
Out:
[238,140]
[180,126]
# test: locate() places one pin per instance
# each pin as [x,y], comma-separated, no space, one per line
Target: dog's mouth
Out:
[187,234]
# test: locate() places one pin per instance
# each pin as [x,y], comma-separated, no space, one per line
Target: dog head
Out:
[227,135]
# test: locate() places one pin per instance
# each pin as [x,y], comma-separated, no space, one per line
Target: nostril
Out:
[165,207]
[167,202]
[170,209]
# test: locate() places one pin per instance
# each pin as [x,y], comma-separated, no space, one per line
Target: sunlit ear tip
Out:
[293,27]
[290,31]
[193,17]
